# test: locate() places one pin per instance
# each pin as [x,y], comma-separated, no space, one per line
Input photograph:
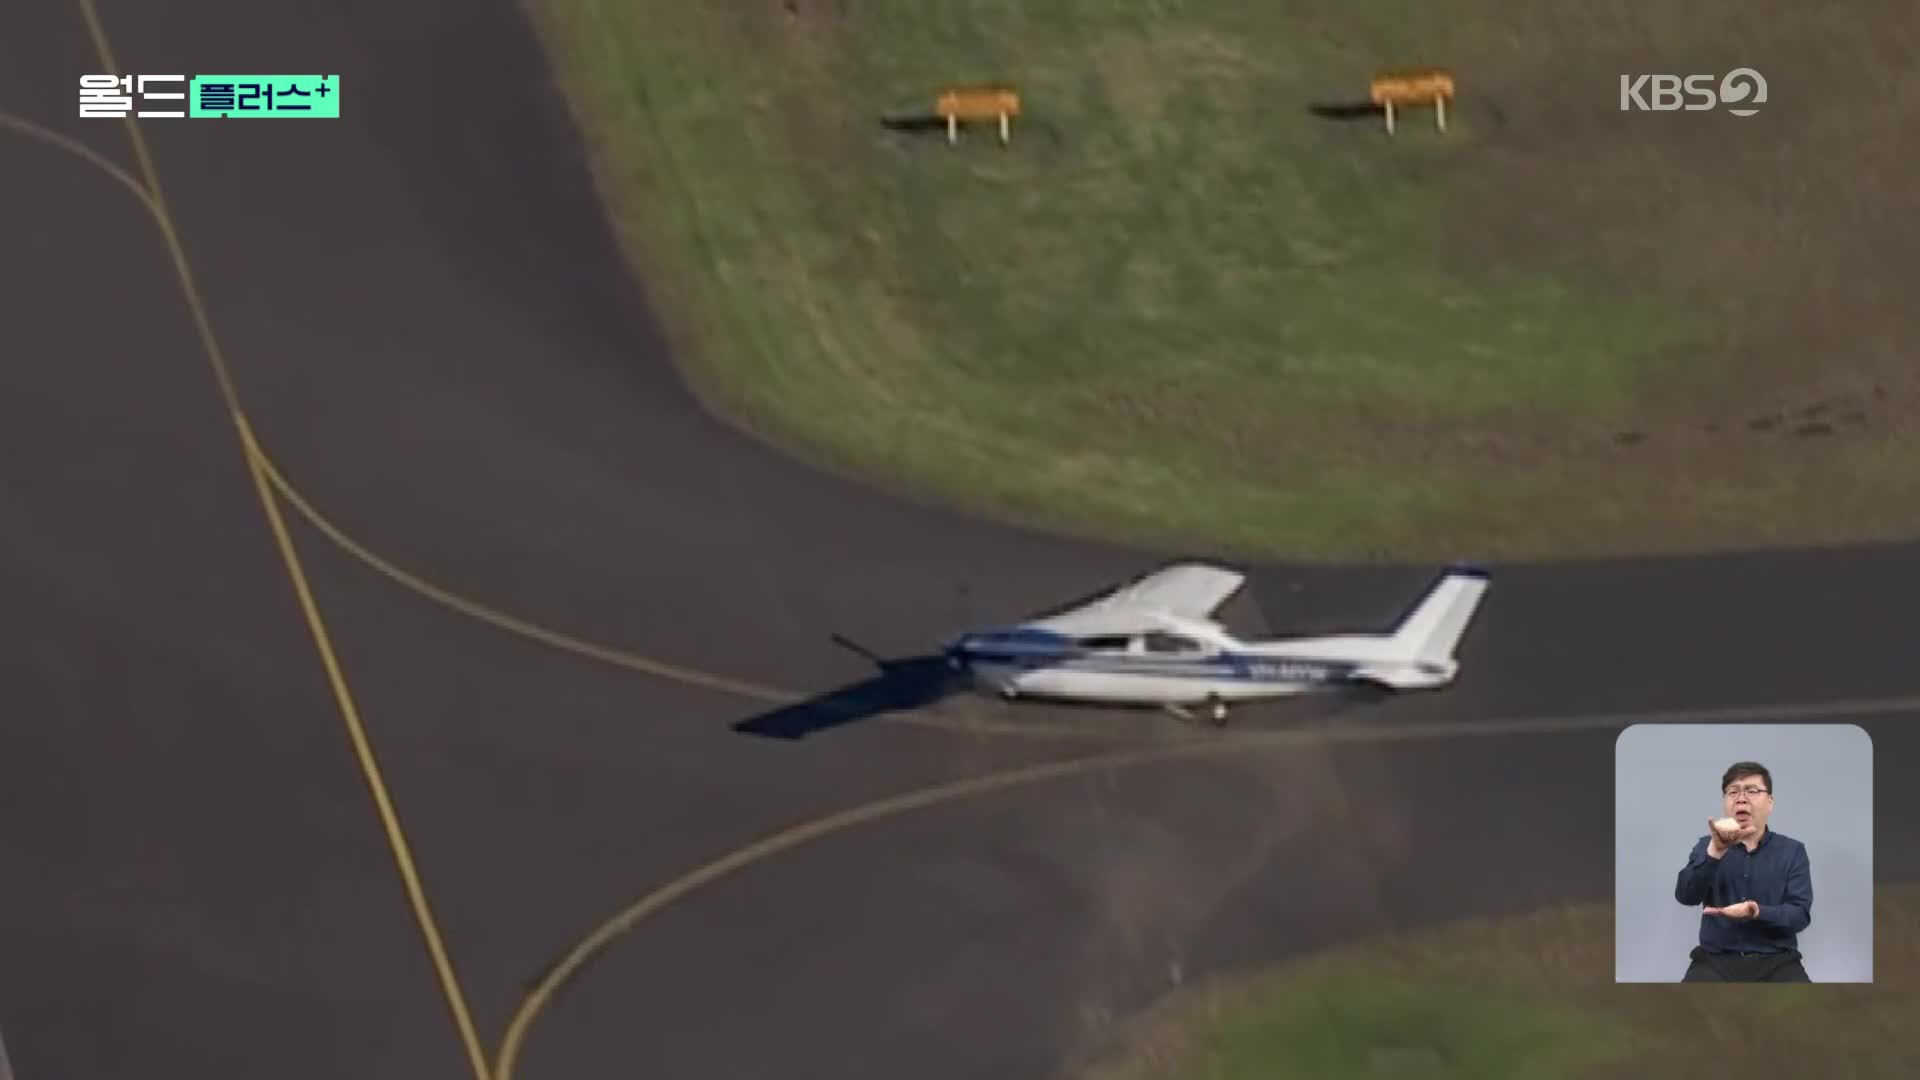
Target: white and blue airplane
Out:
[1153,641]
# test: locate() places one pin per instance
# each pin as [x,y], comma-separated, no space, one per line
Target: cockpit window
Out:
[1112,642]
[1170,643]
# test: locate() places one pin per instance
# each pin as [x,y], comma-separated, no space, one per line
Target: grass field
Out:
[1529,998]
[1182,309]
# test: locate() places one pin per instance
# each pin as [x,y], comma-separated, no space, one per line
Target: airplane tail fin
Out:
[1431,630]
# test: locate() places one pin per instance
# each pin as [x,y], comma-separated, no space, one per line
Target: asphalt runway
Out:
[440,351]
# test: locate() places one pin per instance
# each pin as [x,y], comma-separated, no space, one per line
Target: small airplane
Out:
[1153,641]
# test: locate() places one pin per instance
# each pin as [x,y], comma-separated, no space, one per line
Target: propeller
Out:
[853,646]
[927,676]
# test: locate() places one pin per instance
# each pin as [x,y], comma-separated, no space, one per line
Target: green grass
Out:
[1528,997]
[1178,309]
[1349,1027]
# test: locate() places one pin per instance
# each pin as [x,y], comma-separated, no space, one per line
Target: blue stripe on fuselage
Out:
[1251,668]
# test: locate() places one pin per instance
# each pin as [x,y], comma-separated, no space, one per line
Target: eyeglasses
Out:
[1749,792]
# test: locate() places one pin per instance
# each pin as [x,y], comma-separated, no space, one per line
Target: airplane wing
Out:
[1187,590]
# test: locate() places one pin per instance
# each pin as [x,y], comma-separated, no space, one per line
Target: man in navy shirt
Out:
[1755,887]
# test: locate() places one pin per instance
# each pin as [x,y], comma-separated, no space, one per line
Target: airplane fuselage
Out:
[1132,648]
[1016,669]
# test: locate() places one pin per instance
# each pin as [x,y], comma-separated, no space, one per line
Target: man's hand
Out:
[1719,839]
[1745,909]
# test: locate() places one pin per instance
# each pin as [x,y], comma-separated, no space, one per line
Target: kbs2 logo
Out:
[1737,86]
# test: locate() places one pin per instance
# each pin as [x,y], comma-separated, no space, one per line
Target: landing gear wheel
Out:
[1216,711]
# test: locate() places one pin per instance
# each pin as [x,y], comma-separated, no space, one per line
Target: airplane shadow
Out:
[902,685]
